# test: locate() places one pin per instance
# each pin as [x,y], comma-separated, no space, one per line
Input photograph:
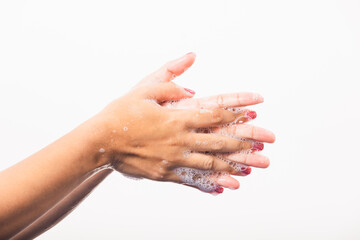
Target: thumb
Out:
[170,70]
[179,66]
[162,92]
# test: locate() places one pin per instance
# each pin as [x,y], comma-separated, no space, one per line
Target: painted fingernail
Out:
[192,92]
[251,114]
[247,171]
[258,146]
[219,189]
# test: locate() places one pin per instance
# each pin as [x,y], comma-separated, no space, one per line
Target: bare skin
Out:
[63,208]
[131,153]
[70,202]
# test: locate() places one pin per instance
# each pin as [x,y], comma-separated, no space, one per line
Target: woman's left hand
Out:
[234,102]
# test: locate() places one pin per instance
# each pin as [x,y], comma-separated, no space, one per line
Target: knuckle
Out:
[245,159]
[177,141]
[217,116]
[252,132]
[208,163]
[238,98]
[240,145]
[220,101]
[233,131]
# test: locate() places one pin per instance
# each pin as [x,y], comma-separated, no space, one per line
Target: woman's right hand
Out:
[139,137]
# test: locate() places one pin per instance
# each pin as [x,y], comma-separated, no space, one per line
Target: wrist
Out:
[92,136]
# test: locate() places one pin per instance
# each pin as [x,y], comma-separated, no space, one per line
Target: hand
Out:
[240,131]
[139,137]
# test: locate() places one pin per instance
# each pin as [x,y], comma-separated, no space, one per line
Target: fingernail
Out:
[192,92]
[247,171]
[219,189]
[191,53]
[251,114]
[258,146]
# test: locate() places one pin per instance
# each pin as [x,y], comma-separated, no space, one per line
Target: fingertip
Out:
[263,162]
[273,138]
[268,136]
[267,164]
[181,64]
[235,186]
[259,98]
[191,54]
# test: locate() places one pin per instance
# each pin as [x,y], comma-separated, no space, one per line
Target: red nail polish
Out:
[251,114]
[258,146]
[247,171]
[219,189]
[192,92]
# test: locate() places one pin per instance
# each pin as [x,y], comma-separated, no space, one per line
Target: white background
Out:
[62,61]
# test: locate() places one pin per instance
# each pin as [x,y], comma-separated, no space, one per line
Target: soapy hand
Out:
[139,137]
[166,134]
[235,103]
[241,160]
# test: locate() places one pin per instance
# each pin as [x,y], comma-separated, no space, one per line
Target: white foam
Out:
[186,154]
[101,150]
[236,110]
[198,178]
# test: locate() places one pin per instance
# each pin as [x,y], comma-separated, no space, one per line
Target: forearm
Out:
[63,208]
[31,187]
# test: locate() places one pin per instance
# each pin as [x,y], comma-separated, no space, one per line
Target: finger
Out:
[166,91]
[170,70]
[226,181]
[206,162]
[246,131]
[201,180]
[203,142]
[215,191]
[252,159]
[242,116]
[215,181]
[207,118]
[220,101]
